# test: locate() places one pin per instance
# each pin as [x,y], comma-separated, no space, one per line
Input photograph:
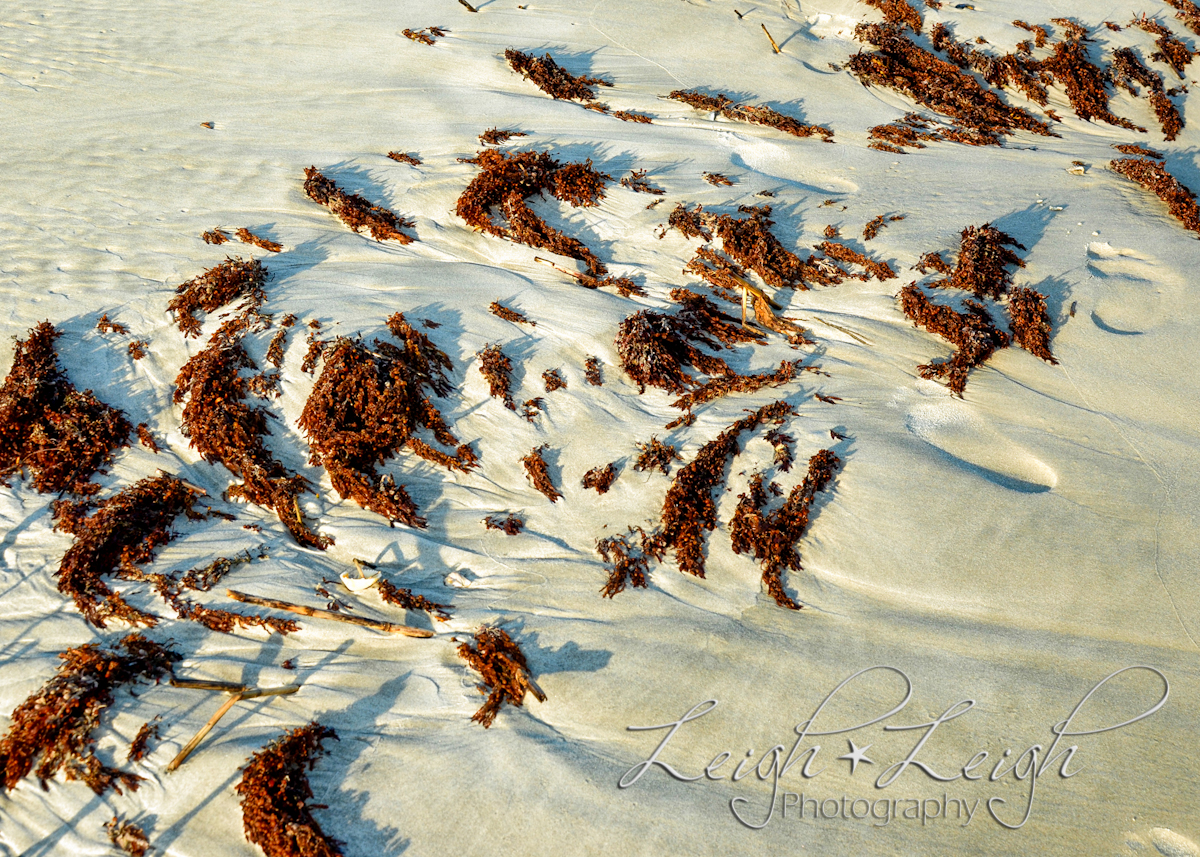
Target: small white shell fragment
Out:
[1076,170]
[1056,208]
[457,580]
[358,584]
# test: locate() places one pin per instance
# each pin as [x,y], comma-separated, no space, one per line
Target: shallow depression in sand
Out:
[951,427]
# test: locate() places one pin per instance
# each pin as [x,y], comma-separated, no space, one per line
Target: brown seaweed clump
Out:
[510,525]
[901,65]
[494,136]
[689,509]
[750,242]
[783,443]
[628,564]
[1126,70]
[840,252]
[128,837]
[772,536]
[551,78]
[591,372]
[275,348]
[104,325]
[368,404]
[216,236]
[496,369]
[62,436]
[1139,151]
[1153,176]
[983,260]
[656,455]
[636,182]
[355,211]
[654,347]
[247,237]
[170,589]
[553,380]
[217,287]
[405,599]
[726,384]
[120,533]
[275,790]
[973,334]
[223,428]
[404,158]
[1171,50]
[898,12]
[52,729]
[1188,12]
[501,311]
[501,663]
[507,179]
[748,113]
[425,35]
[601,478]
[539,474]
[1085,83]
[1030,322]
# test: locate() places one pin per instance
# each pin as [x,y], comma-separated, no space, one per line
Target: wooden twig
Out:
[470,8]
[772,38]
[204,684]
[233,700]
[387,627]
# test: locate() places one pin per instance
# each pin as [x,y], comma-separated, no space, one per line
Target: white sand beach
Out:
[1012,547]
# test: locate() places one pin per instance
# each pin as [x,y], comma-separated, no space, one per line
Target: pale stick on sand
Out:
[212,721]
[388,627]
[772,38]
[203,684]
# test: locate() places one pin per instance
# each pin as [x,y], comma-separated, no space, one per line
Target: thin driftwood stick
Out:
[772,38]
[470,8]
[388,627]
[233,700]
[204,684]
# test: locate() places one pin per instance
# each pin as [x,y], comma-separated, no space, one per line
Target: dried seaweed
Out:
[279,341]
[1040,34]
[170,590]
[531,409]
[749,113]
[128,837]
[216,236]
[1154,177]
[1030,322]
[494,136]
[551,79]
[1171,50]
[656,455]
[52,729]
[405,599]
[539,473]
[591,372]
[1140,151]
[510,525]
[106,326]
[689,509]
[772,536]
[933,260]
[501,311]
[636,181]
[1085,83]
[631,116]
[496,368]
[316,347]
[938,85]
[879,270]
[501,663]
[718,180]
[368,404]
[983,260]
[553,380]
[735,383]
[275,788]
[247,237]
[405,158]
[1188,12]
[60,435]
[972,333]
[507,179]
[146,438]
[1127,69]
[1169,118]
[653,347]
[898,12]
[628,564]
[601,478]
[783,443]
[120,533]
[425,35]
[750,242]
[217,287]
[355,211]
[691,222]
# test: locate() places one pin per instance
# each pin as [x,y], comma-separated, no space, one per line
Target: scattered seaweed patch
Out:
[1085,83]
[689,509]
[494,136]
[368,404]
[973,334]
[553,380]
[510,524]
[104,325]
[783,443]
[898,12]
[52,729]
[128,837]
[146,438]
[1139,151]
[1030,322]
[507,179]
[405,599]
[983,262]
[355,211]
[627,562]
[496,369]
[552,79]
[654,347]
[500,311]
[117,534]
[247,237]
[531,409]
[539,473]
[841,253]
[216,236]
[405,158]
[275,790]
[601,478]
[591,372]
[632,116]
[1188,12]
[425,35]
[1171,50]
[278,342]
[735,383]
[636,182]
[137,349]
[718,180]
[656,455]
[1153,176]
[505,672]
[217,287]
[772,536]
[755,115]
[60,435]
